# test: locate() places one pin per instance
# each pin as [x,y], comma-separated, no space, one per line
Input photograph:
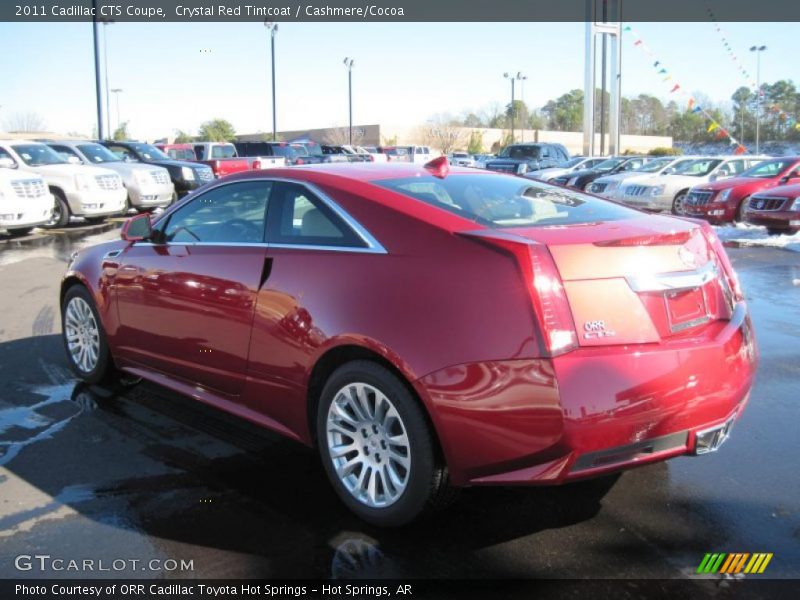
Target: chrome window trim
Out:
[373,246]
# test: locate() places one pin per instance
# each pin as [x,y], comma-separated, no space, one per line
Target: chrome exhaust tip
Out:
[709,440]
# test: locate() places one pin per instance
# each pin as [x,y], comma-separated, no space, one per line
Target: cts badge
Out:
[596,330]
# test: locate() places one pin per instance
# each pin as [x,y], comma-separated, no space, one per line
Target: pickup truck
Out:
[224,160]
[294,153]
[521,158]
[178,151]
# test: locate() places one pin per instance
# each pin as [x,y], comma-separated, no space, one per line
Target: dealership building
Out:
[388,134]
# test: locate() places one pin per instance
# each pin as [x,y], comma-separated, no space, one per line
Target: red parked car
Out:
[724,201]
[425,328]
[778,210]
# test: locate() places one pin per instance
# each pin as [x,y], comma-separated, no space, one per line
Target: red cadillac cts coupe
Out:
[726,201]
[425,328]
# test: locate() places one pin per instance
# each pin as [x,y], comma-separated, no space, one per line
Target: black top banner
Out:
[398,10]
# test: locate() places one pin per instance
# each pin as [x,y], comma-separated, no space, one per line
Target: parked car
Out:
[668,192]
[724,201]
[521,158]
[294,153]
[612,165]
[148,186]
[186,175]
[558,336]
[577,163]
[482,159]
[25,201]
[178,151]
[224,160]
[343,154]
[609,185]
[777,209]
[398,153]
[93,193]
[461,159]
[376,154]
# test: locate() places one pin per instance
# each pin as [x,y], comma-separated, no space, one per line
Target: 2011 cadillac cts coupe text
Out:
[425,328]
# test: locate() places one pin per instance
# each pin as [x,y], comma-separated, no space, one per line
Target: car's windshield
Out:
[98,154]
[698,168]
[501,201]
[181,153]
[148,152]
[38,155]
[223,151]
[609,164]
[654,166]
[520,152]
[571,163]
[770,168]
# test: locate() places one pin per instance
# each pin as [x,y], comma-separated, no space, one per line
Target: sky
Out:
[177,75]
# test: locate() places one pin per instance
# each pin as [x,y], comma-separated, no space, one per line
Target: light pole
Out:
[98,91]
[273,29]
[106,23]
[349,62]
[514,77]
[522,79]
[116,92]
[758,50]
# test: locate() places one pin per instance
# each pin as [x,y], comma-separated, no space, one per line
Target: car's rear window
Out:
[502,201]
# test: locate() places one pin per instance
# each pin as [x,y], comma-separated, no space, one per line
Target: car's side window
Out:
[122,152]
[65,151]
[232,214]
[297,216]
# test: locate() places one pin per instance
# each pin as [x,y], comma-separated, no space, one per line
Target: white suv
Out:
[25,201]
[83,191]
[668,192]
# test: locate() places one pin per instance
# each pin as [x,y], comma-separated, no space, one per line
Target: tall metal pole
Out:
[349,62]
[97,87]
[273,29]
[106,23]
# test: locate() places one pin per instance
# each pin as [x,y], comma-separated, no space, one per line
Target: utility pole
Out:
[349,62]
[273,29]
[758,50]
[98,88]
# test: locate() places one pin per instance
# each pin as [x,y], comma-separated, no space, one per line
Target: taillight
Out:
[371,158]
[659,239]
[543,284]
[256,165]
[300,161]
[722,257]
[215,167]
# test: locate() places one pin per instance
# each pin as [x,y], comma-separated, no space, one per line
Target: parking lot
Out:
[140,473]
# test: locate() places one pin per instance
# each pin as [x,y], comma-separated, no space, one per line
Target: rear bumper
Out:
[787,220]
[591,411]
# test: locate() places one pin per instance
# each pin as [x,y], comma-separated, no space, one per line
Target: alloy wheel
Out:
[82,335]
[368,445]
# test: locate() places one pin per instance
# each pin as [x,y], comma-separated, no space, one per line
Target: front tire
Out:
[84,337]
[376,446]
[61,213]
[677,203]
[739,218]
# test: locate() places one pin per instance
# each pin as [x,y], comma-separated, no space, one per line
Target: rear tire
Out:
[84,337]
[377,448]
[61,212]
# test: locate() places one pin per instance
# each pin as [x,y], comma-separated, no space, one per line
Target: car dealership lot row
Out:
[149,474]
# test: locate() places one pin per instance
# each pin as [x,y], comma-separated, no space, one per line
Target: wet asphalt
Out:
[141,473]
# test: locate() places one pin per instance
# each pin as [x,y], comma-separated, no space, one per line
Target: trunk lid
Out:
[642,280]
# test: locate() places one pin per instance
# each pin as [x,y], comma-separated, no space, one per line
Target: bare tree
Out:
[20,122]
[340,136]
[444,133]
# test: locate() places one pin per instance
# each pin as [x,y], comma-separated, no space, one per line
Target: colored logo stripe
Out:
[734,562]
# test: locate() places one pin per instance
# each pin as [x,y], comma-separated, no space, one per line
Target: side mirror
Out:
[668,171]
[7,163]
[137,228]
[785,179]
[74,160]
